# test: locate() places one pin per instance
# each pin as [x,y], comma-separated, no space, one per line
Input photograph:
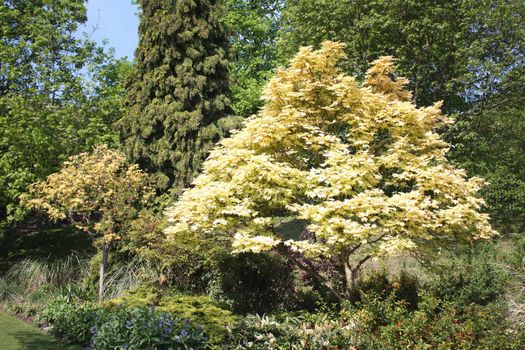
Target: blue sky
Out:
[117,22]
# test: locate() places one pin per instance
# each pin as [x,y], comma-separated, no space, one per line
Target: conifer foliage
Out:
[179,89]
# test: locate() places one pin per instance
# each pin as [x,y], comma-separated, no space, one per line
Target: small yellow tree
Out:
[99,192]
[359,163]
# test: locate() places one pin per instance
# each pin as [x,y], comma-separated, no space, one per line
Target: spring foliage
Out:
[100,192]
[359,162]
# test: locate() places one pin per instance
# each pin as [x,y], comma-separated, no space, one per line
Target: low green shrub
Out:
[71,322]
[213,316]
[146,328]
[404,287]
[139,327]
[384,323]
[472,277]
[381,324]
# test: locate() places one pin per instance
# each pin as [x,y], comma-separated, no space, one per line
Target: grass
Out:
[17,335]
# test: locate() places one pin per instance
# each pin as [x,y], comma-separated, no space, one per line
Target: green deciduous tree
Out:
[359,164]
[455,51]
[254,25]
[99,192]
[179,90]
[59,94]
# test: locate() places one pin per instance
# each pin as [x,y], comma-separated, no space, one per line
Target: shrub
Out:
[387,325]
[210,314]
[380,322]
[146,328]
[71,322]
[473,277]
[257,283]
[122,327]
[303,331]
[403,287]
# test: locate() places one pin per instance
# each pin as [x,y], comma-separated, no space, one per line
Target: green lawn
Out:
[17,335]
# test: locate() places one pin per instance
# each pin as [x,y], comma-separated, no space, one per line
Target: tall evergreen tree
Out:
[179,89]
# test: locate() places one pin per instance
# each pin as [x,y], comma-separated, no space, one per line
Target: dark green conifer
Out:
[179,89]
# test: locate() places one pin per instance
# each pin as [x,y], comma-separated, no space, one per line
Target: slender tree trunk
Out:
[352,273]
[103,264]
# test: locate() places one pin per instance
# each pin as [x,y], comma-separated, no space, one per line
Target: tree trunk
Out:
[352,273]
[350,278]
[103,264]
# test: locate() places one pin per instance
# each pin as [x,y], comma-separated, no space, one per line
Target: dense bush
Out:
[71,322]
[403,287]
[378,323]
[474,276]
[147,328]
[257,283]
[388,324]
[141,327]
[213,316]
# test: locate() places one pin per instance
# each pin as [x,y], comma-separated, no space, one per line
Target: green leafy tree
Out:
[359,164]
[58,94]
[491,143]
[254,25]
[98,192]
[179,90]
[455,51]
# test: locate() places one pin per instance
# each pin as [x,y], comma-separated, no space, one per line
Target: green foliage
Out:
[386,324]
[257,283]
[30,284]
[146,328]
[58,94]
[137,327]
[473,276]
[490,143]
[178,90]
[211,315]
[70,322]
[255,26]
[402,288]
[456,51]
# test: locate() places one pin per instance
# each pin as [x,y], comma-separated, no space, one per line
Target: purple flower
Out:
[86,348]
[124,346]
[177,339]
[129,324]
[93,330]
[183,333]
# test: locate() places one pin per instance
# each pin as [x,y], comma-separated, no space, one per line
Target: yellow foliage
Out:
[98,191]
[361,164]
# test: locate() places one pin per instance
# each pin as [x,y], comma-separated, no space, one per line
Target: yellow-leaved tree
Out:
[99,192]
[358,163]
